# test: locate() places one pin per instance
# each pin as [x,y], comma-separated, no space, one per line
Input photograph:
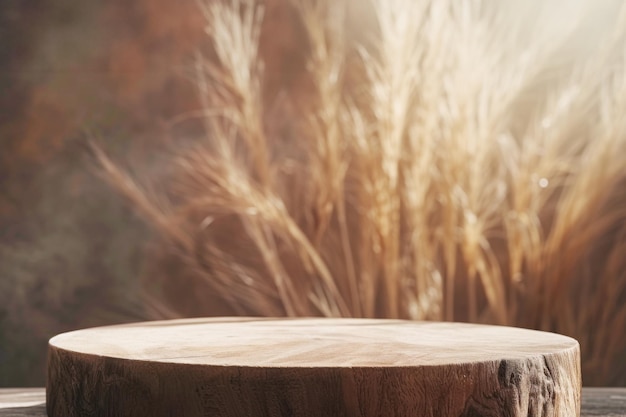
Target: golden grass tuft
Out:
[435,160]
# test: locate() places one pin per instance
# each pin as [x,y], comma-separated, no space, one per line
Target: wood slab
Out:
[312,367]
[596,402]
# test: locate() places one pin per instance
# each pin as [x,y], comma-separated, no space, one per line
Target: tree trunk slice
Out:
[312,367]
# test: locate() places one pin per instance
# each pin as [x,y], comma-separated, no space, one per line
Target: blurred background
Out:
[115,73]
[119,74]
[70,248]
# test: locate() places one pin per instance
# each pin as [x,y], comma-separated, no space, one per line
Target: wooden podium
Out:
[312,367]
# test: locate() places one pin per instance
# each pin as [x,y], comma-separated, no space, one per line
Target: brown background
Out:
[117,73]
[70,249]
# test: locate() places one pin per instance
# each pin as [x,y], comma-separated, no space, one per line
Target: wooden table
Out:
[30,402]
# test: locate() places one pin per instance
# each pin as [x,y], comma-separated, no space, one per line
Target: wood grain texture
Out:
[596,402]
[21,397]
[312,367]
[604,402]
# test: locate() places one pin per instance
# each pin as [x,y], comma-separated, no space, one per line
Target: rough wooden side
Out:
[596,402]
[542,385]
[110,387]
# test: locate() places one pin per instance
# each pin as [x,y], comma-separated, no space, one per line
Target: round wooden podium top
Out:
[312,367]
[313,342]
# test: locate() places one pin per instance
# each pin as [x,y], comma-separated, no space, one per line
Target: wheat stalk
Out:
[451,163]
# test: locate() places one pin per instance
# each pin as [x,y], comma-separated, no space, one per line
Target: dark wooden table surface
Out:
[30,402]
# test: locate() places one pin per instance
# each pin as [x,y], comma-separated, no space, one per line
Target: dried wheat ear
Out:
[434,160]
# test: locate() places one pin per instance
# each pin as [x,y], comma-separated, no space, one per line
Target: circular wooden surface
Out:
[311,367]
[311,342]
